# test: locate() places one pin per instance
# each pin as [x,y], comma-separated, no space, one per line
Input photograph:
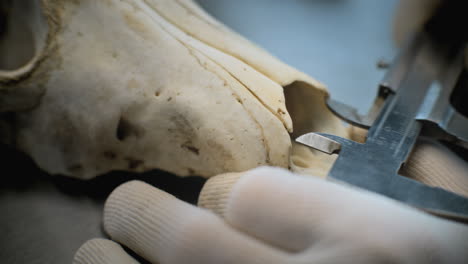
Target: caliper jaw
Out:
[362,165]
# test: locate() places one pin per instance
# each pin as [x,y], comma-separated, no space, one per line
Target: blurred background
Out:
[338,42]
[44,218]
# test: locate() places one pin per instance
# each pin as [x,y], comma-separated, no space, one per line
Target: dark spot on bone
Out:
[239,100]
[281,112]
[169,99]
[181,126]
[125,129]
[109,155]
[157,93]
[188,145]
[191,171]
[133,163]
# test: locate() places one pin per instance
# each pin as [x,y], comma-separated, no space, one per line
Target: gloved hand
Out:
[269,215]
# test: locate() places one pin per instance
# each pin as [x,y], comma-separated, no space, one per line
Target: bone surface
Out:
[137,85]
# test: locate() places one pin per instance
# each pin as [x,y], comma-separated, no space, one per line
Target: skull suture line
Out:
[148,84]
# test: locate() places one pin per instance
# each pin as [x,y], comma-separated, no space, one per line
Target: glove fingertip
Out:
[102,251]
[215,192]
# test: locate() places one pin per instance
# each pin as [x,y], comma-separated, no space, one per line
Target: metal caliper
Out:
[414,100]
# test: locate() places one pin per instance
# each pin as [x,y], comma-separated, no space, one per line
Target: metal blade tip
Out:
[319,142]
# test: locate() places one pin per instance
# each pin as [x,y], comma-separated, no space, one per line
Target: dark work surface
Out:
[44,218]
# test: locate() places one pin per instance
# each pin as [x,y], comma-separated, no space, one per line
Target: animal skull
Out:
[143,84]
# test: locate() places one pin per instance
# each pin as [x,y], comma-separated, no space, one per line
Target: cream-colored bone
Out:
[155,84]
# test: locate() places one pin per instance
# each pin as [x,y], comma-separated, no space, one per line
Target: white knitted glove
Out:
[269,215]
